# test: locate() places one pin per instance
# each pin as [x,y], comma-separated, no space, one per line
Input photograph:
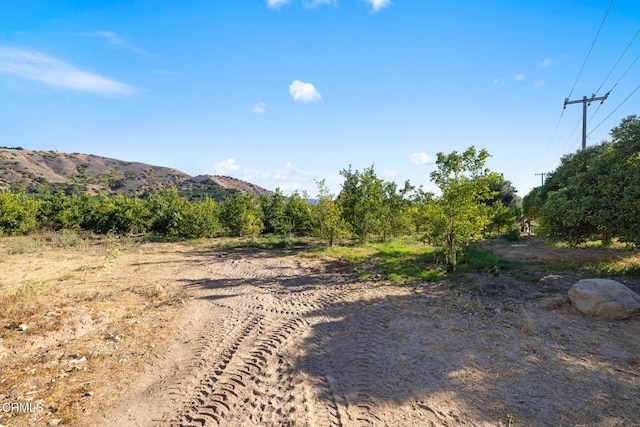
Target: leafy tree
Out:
[419,207]
[594,193]
[273,213]
[242,215]
[167,209]
[461,214]
[62,212]
[395,218]
[327,220]
[297,212]
[200,219]
[532,203]
[18,213]
[130,215]
[362,201]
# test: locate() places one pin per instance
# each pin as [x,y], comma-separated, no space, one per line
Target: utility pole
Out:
[585,103]
[542,176]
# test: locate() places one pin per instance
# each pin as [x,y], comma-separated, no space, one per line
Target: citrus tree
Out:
[461,214]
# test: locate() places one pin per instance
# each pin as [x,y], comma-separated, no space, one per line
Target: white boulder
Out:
[604,298]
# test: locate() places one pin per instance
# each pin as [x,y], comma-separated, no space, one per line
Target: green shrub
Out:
[18,213]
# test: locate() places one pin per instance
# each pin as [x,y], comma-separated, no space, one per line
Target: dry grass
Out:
[74,310]
[527,322]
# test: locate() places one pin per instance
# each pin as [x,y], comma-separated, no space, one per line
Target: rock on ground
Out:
[604,298]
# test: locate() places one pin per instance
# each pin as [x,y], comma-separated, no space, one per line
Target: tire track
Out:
[204,404]
[249,382]
[248,378]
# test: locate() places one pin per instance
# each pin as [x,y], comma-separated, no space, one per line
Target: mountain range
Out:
[76,173]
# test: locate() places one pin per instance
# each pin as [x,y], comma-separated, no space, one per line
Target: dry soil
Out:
[176,334]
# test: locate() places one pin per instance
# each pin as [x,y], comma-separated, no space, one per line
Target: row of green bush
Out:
[474,203]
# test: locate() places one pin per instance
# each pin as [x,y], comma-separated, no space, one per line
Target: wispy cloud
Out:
[167,73]
[390,173]
[36,66]
[260,108]
[496,81]
[546,63]
[539,84]
[519,77]
[376,5]
[312,4]
[225,167]
[288,178]
[276,4]
[420,158]
[304,92]
[116,41]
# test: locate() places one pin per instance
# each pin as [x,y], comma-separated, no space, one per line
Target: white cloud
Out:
[227,166]
[547,62]
[539,84]
[304,92]
[276,4]
[519,77]
[390,173]
[288,178]
[376,5]
[290,186]
[116,41]
[312,4]
[33,65]
[260,108]
[420,158]
[496,81]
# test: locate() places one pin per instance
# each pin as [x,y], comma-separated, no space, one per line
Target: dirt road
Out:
[282,340]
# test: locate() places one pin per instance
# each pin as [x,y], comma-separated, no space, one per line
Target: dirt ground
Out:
[175,334]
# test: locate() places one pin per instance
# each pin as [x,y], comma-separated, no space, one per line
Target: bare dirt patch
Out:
[237,336]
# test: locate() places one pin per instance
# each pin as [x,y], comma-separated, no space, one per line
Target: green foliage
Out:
[418,210]
[326,216]
[60,211]
[533,202]
[396,219]
[298,216]
[461,215]
[199,219]
[242,215]
[594,194]
[362,202]
[119,215]
[273,213]
[481,261]
[512,235]
[18,213]
[395,260]
[502,219]
[167,209]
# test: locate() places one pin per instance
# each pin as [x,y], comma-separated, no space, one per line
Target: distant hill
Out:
[75,173]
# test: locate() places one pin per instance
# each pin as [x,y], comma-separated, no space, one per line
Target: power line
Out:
[625,73]
[591,48]
[615,109]
[570,136]
[618,61]
[552,137]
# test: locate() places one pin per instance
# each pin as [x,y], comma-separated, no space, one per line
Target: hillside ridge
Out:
[77,173]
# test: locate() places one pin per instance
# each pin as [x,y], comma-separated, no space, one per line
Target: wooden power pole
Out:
[585,103]
[542,176]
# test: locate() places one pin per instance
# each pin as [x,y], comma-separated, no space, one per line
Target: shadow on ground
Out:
[498,351]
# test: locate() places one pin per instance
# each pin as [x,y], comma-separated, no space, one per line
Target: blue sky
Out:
[282,93]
